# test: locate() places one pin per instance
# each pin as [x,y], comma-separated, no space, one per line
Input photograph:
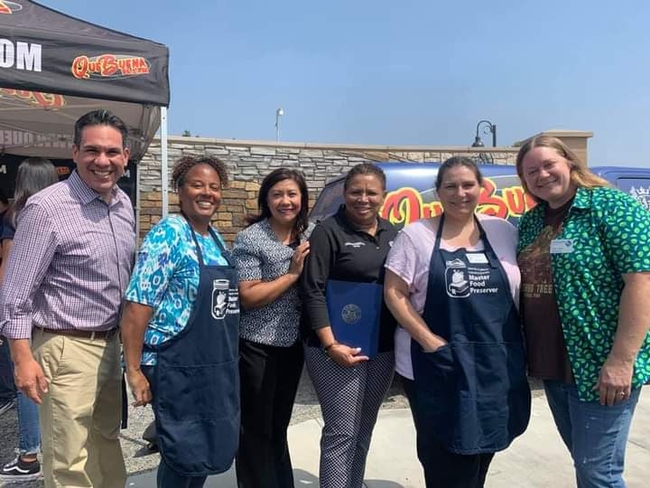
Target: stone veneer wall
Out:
[249,161]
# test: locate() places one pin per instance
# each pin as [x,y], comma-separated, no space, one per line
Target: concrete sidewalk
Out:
[538,459]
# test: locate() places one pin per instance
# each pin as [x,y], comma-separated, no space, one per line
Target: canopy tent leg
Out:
[138,201]
[164,166]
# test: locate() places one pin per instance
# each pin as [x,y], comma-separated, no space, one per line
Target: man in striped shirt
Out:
[68,268]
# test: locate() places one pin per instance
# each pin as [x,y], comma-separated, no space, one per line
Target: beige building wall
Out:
[249,161]
[576,140]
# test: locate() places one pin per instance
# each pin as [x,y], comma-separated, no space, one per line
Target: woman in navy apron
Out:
[180,330]
[452,284]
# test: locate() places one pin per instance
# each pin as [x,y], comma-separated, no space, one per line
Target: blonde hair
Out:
[581,175]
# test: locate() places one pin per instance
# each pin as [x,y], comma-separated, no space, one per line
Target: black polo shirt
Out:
[339,251]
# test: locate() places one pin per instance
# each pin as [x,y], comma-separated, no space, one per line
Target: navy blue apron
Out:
[197,377]
[472,394]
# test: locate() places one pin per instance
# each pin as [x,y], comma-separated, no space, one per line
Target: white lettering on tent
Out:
[15,138]
[6,53]
[23,55]
[28,56]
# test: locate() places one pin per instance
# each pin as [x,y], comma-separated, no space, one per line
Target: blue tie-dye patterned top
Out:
[166,278]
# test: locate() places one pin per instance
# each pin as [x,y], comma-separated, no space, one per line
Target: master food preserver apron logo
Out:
[462,279]
[457,279]
[224,299]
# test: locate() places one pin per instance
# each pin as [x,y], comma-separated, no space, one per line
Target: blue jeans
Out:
[595,434]
[29,440]
[29,432]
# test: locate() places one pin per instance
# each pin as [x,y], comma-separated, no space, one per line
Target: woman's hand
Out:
[615,381]
[139,386]
[432,343]
[397,297]
[258,293]
[298,259]
[345,356]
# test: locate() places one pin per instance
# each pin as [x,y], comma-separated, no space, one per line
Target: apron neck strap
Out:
[441,224]
[199,253]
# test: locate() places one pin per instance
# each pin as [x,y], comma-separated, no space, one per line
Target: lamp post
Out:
[488,127]
[278,113]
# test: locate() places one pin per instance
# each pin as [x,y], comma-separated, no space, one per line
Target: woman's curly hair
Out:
[186,163]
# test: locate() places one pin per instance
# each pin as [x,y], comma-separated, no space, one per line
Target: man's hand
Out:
[30,379]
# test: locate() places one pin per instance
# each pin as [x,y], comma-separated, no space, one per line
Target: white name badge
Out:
[477,258]
[561,246]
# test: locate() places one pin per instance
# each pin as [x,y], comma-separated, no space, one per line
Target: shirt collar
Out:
[382,224]
[265,226]
[581,201]
[86,194]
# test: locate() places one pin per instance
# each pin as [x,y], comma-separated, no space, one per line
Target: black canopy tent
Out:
[54,68]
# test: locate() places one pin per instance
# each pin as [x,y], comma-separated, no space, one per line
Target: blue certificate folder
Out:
[355,310]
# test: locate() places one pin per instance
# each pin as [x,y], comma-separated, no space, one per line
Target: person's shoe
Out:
[6,405]
[19,470]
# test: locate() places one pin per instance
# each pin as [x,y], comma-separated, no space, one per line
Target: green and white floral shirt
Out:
[609,234]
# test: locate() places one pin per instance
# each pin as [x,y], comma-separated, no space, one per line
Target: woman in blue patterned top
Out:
[180,331]
[269,255]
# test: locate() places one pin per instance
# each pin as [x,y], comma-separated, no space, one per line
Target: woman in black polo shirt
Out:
[349,247]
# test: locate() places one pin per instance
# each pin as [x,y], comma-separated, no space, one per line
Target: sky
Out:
[420,72]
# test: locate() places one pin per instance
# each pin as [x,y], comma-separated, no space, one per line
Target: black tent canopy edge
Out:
[136,89]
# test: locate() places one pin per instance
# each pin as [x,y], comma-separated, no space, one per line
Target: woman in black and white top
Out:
[269,255]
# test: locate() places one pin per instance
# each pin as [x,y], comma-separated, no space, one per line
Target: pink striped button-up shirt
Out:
[70,261]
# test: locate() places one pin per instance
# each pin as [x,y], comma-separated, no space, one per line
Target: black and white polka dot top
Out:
[259,255]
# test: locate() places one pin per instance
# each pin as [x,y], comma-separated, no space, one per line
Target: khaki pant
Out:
[81,413]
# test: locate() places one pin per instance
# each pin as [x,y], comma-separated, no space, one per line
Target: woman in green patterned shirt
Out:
[584,255]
